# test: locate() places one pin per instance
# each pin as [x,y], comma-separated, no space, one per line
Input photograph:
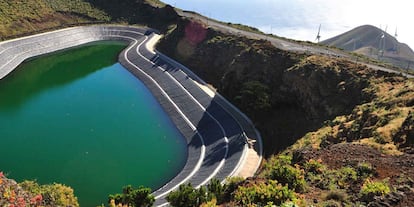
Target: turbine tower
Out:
[381,48]
[318,36]
[385,35]
[396,41]
[395,34]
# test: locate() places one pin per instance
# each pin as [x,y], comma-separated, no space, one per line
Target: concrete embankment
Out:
[218,135]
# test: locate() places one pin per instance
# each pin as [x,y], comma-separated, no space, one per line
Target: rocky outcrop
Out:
[327,87]
[405,135]
[278,89]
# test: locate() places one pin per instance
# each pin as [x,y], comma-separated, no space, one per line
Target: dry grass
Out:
[315,138]
[388,131]
[156,3]
[388,148]
[382,116]
[20,17]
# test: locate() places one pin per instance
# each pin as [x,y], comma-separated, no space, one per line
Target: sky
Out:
[300,19]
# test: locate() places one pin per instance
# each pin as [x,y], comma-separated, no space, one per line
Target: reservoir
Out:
[79,118]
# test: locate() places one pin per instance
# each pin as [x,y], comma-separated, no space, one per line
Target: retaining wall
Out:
[215,130]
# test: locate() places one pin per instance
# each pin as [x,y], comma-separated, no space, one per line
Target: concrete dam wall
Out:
[220,138]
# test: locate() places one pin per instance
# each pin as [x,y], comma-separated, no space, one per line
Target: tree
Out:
[187,196]
[140,197]
[216,190]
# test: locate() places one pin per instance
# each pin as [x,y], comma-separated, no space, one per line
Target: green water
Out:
[79,118]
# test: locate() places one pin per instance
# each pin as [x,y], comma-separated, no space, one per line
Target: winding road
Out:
[216,131]
[284,44]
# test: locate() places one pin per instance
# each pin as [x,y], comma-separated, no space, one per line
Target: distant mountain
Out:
[374,42]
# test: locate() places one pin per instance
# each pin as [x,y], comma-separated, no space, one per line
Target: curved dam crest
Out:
[79,118]
[218,135]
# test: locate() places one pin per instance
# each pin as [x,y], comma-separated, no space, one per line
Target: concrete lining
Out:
[217,133]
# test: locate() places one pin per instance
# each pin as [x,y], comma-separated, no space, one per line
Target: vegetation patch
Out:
[30,193]
[139,197]
[370,189]
[261,194]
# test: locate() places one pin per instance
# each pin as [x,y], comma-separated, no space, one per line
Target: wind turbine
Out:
[318,36]
[395,34]
[382,42]
[396,41]
[383,46]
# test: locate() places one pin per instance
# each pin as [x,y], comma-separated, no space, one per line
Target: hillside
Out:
[335,133]
[367,40]
[19,18]
[309,108]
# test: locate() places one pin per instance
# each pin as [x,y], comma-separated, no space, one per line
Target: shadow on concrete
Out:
[214,137]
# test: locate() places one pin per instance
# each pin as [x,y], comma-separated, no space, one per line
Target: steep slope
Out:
[278,89]
[330,109]
[330,121]
[17,17]
[367,40]
[20,18]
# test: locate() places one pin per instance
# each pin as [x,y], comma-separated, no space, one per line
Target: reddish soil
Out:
[386,166]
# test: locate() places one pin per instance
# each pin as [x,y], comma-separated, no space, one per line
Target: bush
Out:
[280,169]
[264,193]
[140,197]
[215,190]
[212,203]
[232,183]
[370,189]
[53,194]
[215,193]
[365,170]
[314,166]
[333,179]
[188,196]
[319,180]
[346,176]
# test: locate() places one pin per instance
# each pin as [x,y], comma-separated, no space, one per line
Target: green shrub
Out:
[212,203]
[280,169]
[333,179]
[263,193]
[288,204]
[370,189]
[365,170]
[188,196]
[215,190]
[140,197]
[232,183]
[346,176]
[314,166]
